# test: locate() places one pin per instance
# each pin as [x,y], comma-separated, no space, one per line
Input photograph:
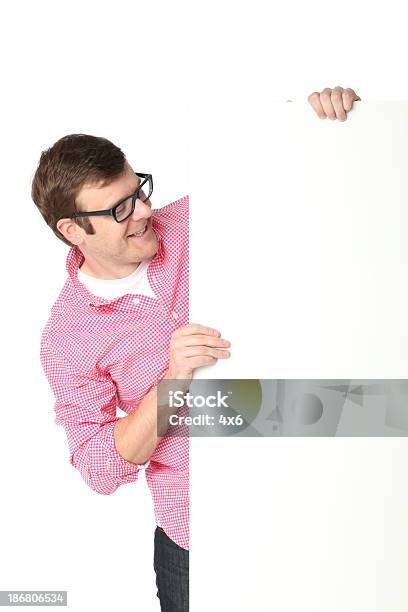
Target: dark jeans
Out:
[171,567]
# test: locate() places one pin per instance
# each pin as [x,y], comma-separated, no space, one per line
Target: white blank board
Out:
[299,257]
[298,238]
[299,524]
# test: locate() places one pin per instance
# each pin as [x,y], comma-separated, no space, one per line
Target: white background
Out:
[126,70]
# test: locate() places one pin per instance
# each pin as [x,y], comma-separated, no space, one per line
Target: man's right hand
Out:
[193,346]
[137,434]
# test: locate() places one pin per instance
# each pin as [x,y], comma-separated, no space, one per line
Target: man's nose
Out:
[142,210]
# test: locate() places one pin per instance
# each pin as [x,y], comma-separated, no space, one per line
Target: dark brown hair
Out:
[73,161]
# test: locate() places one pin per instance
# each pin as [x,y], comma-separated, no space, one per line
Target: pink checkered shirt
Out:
[99,353]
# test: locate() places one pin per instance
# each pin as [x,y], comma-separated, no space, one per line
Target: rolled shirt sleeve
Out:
[85,405]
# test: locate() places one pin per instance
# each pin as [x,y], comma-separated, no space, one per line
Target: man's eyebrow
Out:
[126,196]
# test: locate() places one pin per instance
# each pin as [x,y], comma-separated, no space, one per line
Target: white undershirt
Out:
[136,282]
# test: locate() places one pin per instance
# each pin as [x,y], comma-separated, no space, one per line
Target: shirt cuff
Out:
[117,466]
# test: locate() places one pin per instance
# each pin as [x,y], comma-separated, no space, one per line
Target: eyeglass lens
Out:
[125,208]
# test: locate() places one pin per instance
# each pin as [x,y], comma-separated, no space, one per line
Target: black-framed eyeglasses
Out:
[124,208]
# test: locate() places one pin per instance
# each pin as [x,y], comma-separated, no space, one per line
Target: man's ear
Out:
[71,231]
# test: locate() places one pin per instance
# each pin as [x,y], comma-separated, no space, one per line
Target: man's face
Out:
[113,251]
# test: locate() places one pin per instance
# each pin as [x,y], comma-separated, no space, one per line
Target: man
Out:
[120,325]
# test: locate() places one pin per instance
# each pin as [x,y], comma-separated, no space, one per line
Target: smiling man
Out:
[120,325]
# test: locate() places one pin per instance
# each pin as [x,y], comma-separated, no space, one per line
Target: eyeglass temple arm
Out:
[94,213]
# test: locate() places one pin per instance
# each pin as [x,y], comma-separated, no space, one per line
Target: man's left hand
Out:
[333,103]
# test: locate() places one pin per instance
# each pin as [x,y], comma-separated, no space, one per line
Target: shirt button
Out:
[174,314]
[135,300]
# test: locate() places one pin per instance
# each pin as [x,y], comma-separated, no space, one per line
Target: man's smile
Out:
[141,231]
[138,234]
